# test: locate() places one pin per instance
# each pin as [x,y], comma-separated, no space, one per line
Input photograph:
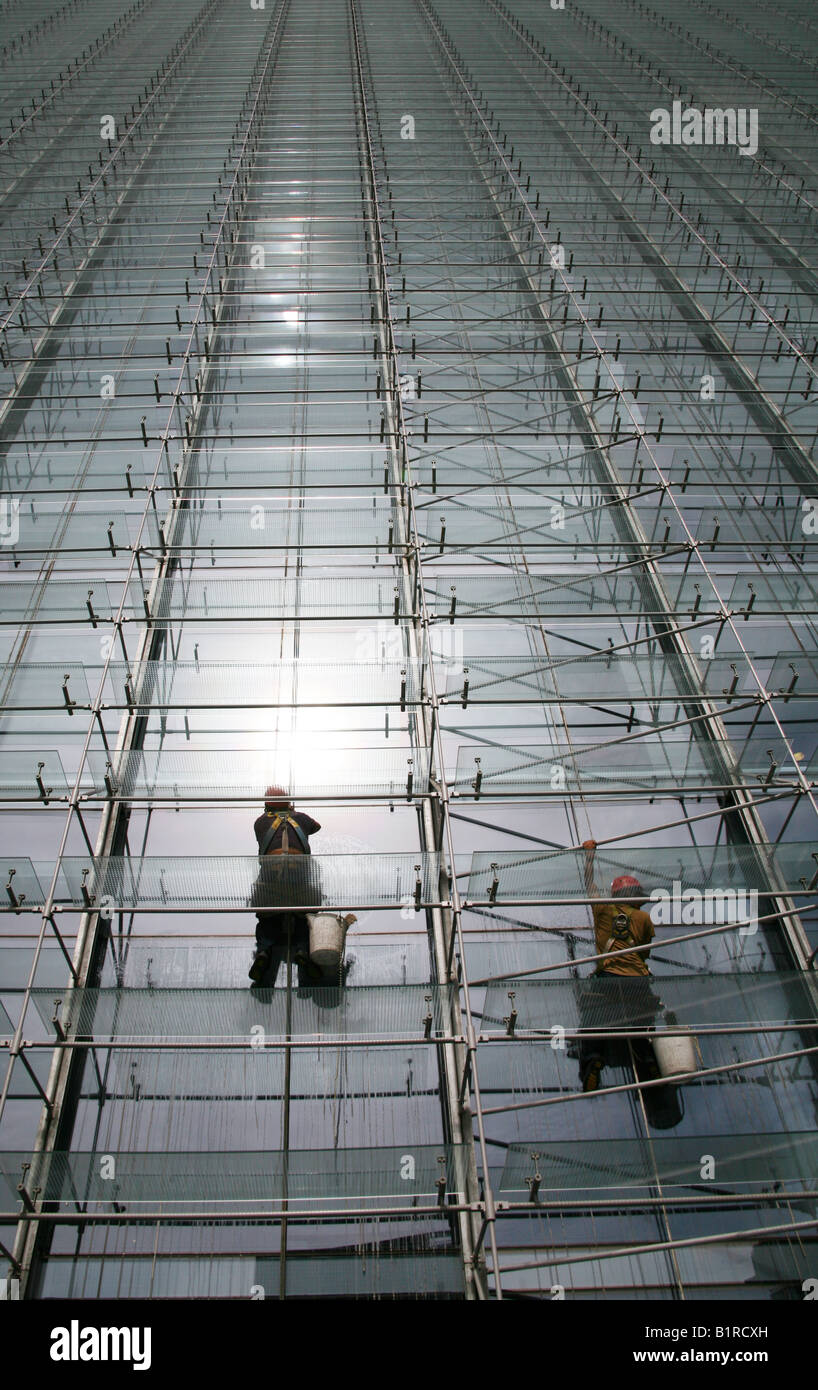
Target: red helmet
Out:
[626,886]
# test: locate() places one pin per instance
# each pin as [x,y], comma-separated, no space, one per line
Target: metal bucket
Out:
[675,1053]
[327,936]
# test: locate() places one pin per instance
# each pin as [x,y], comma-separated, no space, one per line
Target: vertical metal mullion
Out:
[444,932]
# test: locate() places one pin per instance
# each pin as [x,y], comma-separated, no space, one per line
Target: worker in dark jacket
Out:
[619,992]
[286,876]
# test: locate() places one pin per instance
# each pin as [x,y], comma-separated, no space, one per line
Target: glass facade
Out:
[413,410]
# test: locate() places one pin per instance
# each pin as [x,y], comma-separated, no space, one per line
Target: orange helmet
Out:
[626,886]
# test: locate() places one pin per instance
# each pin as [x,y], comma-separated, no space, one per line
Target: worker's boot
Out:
[259,967]
[591,1079]
[646,1065]
[308,972]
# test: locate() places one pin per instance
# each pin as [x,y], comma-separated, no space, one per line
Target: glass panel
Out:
[696,1000]
[375,1274]
[635,765]
[312,1178]
[20,771]
[312,1011]
[307,881]
[741,1160]
[663,872]
[174,773]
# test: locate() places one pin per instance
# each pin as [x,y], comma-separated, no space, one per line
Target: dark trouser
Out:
[615,1003]
[278,931]
[285,880]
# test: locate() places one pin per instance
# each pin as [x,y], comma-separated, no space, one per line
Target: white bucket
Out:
[675,1053]
[327,936]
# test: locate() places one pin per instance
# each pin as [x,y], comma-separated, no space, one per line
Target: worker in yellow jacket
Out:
[618,993]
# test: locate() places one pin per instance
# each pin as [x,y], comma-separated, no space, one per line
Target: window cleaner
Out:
[620,985]
[283,831]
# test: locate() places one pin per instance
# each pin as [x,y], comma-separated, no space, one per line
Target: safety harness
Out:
[621,937]
[621,929]
[286,820]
